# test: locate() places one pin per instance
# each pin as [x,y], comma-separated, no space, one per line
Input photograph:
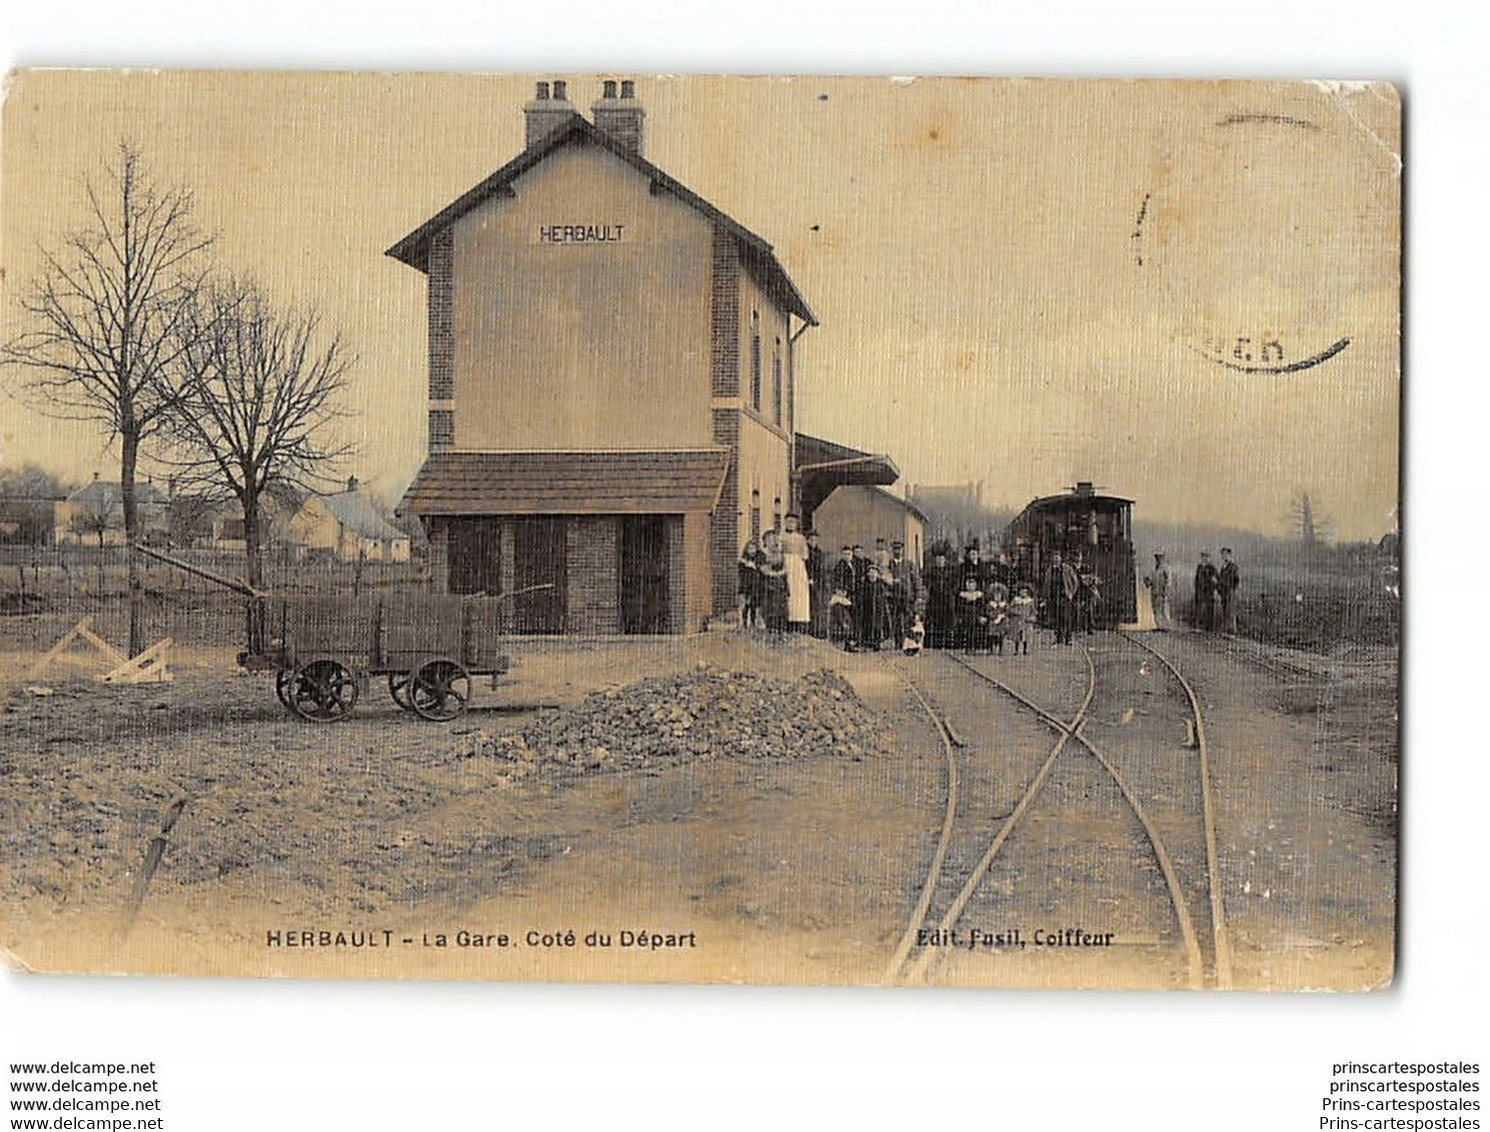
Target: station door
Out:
[644,574]
[475,556]
[539,560]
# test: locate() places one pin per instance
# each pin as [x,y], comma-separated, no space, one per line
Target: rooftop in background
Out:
[103,493]
[356,511]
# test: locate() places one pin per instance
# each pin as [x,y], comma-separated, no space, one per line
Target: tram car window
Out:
[1098,528]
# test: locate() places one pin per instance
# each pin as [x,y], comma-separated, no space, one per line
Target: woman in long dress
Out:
[774,593]
[798,588]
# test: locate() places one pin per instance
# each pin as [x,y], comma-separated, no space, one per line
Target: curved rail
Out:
[928,956]
[933,874]
[1194,961]
[1213,871]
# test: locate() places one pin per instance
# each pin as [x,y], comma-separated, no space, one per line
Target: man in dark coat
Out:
[905,592]
[873,602]
[1002,571]
[1058,594]
[974,566]
[1227,582]
[843,584]
[942,583]
[817,581]
[1207,581]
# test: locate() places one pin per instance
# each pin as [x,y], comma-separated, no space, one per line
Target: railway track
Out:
[918,951]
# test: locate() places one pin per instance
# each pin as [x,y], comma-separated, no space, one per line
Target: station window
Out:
[755,361]
[776,384]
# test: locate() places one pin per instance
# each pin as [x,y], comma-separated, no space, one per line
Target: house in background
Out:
[276,511]
[347,525]
[858,514]
[28,520]
[612,394]
[95,512]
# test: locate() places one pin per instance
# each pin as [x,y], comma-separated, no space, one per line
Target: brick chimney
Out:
[549,110]
[619,114]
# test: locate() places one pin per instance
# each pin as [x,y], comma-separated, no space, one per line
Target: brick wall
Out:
[441,430]
[724,528]
[677,575]
[724,316]
[697,596]
[593,592]
[442,316]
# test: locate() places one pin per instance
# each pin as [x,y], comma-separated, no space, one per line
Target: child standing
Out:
[1022,613]
[998,614]
[749,588]
[972,615]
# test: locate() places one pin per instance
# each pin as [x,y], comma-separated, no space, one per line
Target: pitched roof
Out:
[103,493]
[909,504]
[637,482]
[358,513]
[413,249]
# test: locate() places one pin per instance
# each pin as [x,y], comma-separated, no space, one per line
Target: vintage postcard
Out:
[651,529]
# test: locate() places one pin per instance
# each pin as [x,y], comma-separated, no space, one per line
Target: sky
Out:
[1022,283]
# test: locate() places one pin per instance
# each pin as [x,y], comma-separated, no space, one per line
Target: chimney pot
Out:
[620,119]
[548,111]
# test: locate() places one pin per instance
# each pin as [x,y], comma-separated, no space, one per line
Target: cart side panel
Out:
[423,627]
[484,642]
[331,625]
[423,623]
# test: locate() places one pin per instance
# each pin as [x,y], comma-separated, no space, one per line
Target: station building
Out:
[857,515]
[612,394]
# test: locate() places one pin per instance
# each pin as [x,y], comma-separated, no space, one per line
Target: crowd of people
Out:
[979,605]
[1214,604]
[868,598]
[862,600]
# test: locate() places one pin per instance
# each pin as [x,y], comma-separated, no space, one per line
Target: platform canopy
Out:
[822,465]
[638,482]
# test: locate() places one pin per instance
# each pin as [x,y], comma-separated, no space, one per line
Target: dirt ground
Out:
[407,848]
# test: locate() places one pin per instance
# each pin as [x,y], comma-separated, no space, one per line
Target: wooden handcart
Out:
[326,650]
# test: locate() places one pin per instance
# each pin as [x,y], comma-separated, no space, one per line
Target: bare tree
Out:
[1307,525]
[107,309]
[98,518]
[29,481]
[261,389]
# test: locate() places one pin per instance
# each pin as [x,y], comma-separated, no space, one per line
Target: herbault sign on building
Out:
[580,233]
[611,383]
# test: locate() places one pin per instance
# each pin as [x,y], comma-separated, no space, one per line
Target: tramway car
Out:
[1097,529]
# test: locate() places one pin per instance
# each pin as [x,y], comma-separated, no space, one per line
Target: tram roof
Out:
[1074,499]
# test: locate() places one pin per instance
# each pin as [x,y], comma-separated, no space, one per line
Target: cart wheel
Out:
[398,688]
[440,690]
[283,679]
[323,691]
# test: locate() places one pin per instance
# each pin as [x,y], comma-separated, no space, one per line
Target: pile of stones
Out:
[707,713]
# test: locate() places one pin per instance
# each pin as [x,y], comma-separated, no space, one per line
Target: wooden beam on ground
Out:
[101,645]
[83,631]
[148,667]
